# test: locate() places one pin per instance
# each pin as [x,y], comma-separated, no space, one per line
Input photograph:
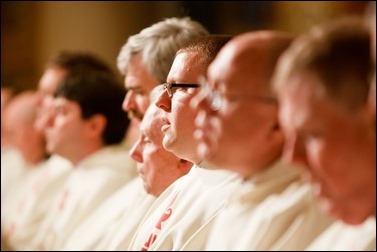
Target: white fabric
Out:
[119,237]
[30,201]
[183,208]
[124,209]
[16,202]
[343,237]
[272,211]
[12,167]
[87,186]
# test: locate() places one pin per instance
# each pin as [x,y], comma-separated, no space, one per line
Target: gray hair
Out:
[158,44]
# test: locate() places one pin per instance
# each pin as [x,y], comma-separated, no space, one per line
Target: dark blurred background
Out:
[31,32]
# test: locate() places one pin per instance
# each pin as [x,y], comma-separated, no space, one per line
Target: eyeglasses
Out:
[169,87]
[215,98]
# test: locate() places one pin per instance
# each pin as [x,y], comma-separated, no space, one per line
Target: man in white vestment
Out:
[322,83]
[112,226]
[87,127]
[196,197]
[238,129]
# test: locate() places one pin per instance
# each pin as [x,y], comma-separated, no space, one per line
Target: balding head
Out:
[19,117]
[251,56]
[242,134]
[21,109]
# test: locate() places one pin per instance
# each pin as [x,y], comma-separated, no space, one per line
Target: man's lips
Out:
[165,120]
[165,127]
[166,124]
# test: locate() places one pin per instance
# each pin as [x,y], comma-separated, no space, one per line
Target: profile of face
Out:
[179,116]
[336,146]
[139,83]
[157,167]
[67,131]
[236,117]
[46,88]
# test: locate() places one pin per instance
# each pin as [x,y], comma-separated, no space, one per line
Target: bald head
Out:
[21,109]
[247,139]
[252,56]
[19,116]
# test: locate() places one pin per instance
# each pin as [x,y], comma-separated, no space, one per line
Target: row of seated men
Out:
[261,141]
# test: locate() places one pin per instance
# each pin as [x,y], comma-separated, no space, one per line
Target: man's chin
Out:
[340,212]
[349,216]
[135,115]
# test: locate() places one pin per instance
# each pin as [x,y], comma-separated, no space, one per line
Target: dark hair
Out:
[208,46]
[97,92]
[78,61]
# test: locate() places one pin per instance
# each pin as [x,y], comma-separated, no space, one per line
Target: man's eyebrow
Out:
[184,85]
[135,88]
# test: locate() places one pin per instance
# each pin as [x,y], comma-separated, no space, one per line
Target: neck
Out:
[77,157]
[35,157]
[263,163]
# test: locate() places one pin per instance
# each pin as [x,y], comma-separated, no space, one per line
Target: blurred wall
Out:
[17,44]
[34,31]
[101,27]
[31,32]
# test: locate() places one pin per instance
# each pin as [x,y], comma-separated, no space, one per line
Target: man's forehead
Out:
[152,120]
[232,72]
[138,77]
[292,113]
[185,66]
[146,125]
[62,101]
[50,80]
[132,82]
[222,61]
[299,108]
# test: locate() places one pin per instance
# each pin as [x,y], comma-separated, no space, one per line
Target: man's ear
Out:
[276,126]
[276,132]
[96,125]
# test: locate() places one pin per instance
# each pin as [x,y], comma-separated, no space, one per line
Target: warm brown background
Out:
[32,31]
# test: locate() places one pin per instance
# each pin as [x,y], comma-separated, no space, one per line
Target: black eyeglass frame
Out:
[169,86]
